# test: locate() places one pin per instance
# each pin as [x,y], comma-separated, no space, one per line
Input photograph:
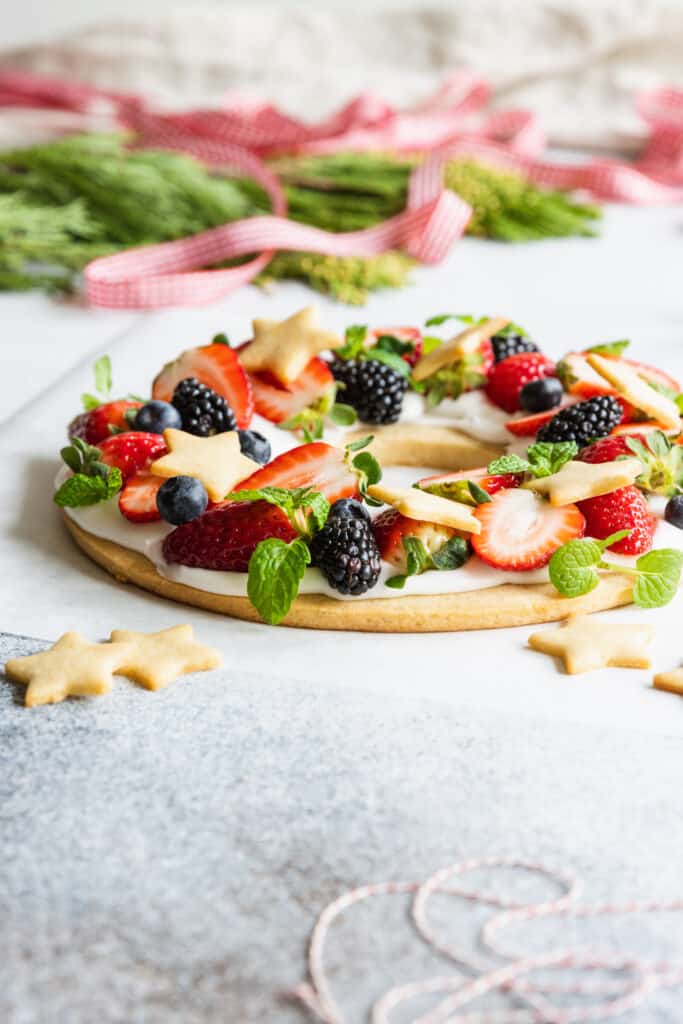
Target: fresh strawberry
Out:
[313,388]
[410,335]
[390,528]
[99,423]
[654,375]
[624,509]
[528,426]
[446,485]
[216,365]
[132,452]
[636,428]
[138,499]
[520,530]
[224,537]
[579,378]
[316,465]
[507,378]
[607,449]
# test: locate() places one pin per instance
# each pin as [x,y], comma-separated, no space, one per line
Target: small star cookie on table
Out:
[671,682]
[585,643]
[155,659]
[286,347]
[72,667]
[217,461]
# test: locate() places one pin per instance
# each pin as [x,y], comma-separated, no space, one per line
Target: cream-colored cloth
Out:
[578,63]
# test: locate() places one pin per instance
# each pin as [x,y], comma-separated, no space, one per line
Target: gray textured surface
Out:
[163,856]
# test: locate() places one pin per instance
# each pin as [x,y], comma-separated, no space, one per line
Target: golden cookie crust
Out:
[506,605]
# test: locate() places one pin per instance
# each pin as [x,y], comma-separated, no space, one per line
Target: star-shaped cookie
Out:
[285,347]
[430,508]
[217,461]
[672,682]
[71,667]
[577,481]
[585,643]
[628,382]
[464,344]
[155,659]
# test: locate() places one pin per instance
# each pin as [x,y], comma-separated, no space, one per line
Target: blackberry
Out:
[203,411]
[346,552]
[505,345]
[373,389]
[583,422]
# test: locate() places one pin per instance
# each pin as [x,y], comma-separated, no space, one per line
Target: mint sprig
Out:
[365,466]
[311,420]
[92,481]
[306,508]
[573,570]
[451,555]
[542,459]
[276,570]
[102,374]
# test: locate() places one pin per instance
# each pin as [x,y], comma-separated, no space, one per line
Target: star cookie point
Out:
[636,390]
[217,461]
[584,644]
[577,481]
[416,504]
[155,659]
[286,347]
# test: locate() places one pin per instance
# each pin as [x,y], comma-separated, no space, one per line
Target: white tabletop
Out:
[568,293]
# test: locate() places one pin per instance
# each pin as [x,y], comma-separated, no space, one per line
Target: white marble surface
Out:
[568,293]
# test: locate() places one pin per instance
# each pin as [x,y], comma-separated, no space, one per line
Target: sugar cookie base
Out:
[506,605]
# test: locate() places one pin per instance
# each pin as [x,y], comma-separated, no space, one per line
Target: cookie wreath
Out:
[251,485]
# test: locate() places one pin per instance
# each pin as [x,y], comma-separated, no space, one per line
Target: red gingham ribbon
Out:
[444,125]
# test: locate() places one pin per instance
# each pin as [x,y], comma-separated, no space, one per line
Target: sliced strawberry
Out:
[100,423]
[216,365]
[316,465]
[390,529]
[654,375]
[623,509]
[132,452]
[138,499]
[508,377]
[520,530]
[224,537]
[278,403]
[642,427]
[446,484]
[411,335]
[528,426]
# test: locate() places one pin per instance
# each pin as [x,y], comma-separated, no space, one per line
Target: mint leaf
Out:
[221,339]
[354,342]
[466,491]
[679,402]
[573,567]
[546,458]
[102,370]
[72,458]
[508,464]
[369,472]
[362,442]
[391,359]
[441,318]
[80,490]
[276,570]
[396,582]
[659,573]
[343,415]
[418,559]
[429,343]
[390,343]
[452,555]
[90,402]
[610,348]
[303,506]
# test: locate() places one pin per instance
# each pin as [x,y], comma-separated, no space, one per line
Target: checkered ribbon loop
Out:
[605,983]
[447,124]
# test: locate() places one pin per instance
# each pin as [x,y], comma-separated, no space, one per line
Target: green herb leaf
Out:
[354,342]
[79,489]
[418,559]
[90,402]
[508,464]
[429,343]
[293,502]
[453,554]
[396,582]
[659,573]
[391,359]
[390,343]
[362,442]
[479,495]
[369,472]
[546,458]
[573,567]
[221,339]
[610,348]
[102,369]
[276,570]
[72,458]
[441,318]
[343,415]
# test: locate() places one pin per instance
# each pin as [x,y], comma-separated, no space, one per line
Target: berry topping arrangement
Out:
[251,475]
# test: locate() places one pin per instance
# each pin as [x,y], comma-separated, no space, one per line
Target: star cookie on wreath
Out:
[217,461]
[286,347]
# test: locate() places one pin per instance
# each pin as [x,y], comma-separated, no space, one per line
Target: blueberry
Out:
[673,513]
[156,417]
[181,499]
[348,508]
[540,395]
[255,446]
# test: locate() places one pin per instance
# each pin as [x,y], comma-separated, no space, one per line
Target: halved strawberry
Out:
[390,528]
[579,378]
[410,335]
[132,452]
[278,404]
[446,485]
[520,530]
[98,424]
[316,465]
[138,499]
[662,461]
[216,365]
[635,428]
[528,426]
[224,537]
